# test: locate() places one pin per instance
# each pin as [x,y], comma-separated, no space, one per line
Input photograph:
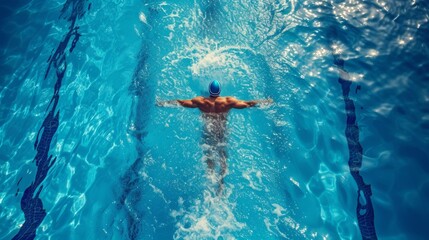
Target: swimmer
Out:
[214,112]
[214,103]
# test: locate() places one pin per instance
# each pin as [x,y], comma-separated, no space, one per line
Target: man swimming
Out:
[215,110]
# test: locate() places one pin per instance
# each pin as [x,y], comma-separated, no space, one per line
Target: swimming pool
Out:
[350,95]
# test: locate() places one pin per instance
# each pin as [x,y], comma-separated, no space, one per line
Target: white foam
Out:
[279,210]
[209,218]
[143,18]
[294,182]
[281,218]
[224,58]
[254,177]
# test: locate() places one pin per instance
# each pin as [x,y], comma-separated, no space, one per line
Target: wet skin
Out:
[216,104]
[214,112]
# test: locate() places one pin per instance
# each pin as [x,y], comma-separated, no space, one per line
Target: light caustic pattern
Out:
[127,169]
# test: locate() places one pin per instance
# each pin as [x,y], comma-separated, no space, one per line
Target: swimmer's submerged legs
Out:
[210,165]
[215,157]
[223,169]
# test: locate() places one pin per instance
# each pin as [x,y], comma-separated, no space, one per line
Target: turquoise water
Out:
[126,169]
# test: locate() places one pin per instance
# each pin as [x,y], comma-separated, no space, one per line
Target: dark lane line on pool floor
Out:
[31,204]
[364,209]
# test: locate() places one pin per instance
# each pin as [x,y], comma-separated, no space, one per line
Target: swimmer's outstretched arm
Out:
[235,103]
[264,101]
[174,103]
[169,103]
[188,103]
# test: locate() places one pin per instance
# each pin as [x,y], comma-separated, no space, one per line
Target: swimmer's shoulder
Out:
[230,99]
[198,99]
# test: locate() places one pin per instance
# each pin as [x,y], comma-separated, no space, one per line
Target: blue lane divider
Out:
[31,204]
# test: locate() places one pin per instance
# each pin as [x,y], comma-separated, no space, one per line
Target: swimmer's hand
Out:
[265,102]
[169,103]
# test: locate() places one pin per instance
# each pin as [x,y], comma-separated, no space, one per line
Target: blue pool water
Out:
[341,154]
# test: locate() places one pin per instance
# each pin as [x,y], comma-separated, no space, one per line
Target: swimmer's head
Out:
[214,89]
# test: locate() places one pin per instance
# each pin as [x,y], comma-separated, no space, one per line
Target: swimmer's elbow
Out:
[244,104]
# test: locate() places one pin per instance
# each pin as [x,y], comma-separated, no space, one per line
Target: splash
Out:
[209,218]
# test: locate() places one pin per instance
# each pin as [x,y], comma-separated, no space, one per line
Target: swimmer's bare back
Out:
[215,104]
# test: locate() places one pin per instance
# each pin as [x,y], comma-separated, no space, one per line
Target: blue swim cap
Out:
[214,88]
